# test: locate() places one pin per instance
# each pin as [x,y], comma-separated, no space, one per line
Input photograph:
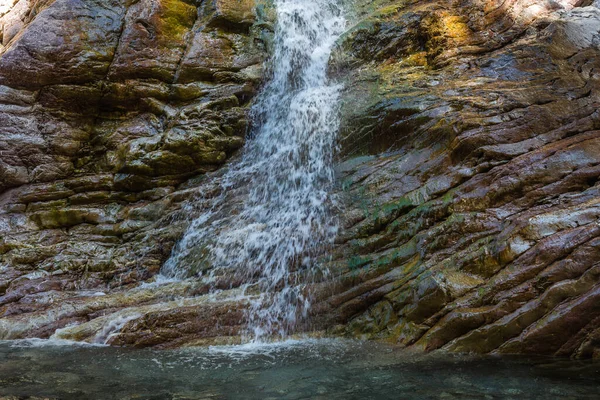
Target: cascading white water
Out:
[274,212]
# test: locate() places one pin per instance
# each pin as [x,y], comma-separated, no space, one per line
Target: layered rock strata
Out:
[107,109]
[471,177]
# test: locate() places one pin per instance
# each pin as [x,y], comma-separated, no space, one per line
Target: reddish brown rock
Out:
[477,229]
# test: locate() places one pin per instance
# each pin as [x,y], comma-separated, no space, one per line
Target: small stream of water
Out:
[274,214]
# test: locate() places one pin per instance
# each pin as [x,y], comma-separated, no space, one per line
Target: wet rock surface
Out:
[107,109]
[468,171]
[471,147]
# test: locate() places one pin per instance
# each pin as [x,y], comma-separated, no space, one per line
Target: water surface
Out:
[324,369]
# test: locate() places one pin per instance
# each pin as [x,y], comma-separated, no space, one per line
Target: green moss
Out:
[397,256]
[64,218]
[355,262]
[346,184]
[390,10]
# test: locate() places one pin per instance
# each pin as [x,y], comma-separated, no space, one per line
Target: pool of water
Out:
[312,369]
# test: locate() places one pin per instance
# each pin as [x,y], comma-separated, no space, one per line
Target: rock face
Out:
[106,108]
[469,168]
[471,147]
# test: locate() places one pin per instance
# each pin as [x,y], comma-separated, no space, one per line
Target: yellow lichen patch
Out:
[415,60]
[175,19]
[237,11]
[456,28]
[393,69]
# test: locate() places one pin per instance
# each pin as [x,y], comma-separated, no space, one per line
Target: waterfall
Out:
[274,214]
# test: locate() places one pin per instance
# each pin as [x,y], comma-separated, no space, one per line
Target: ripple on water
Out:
[294,369]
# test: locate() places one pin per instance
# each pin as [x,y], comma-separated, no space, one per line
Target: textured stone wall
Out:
[471,149]
[107,109]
